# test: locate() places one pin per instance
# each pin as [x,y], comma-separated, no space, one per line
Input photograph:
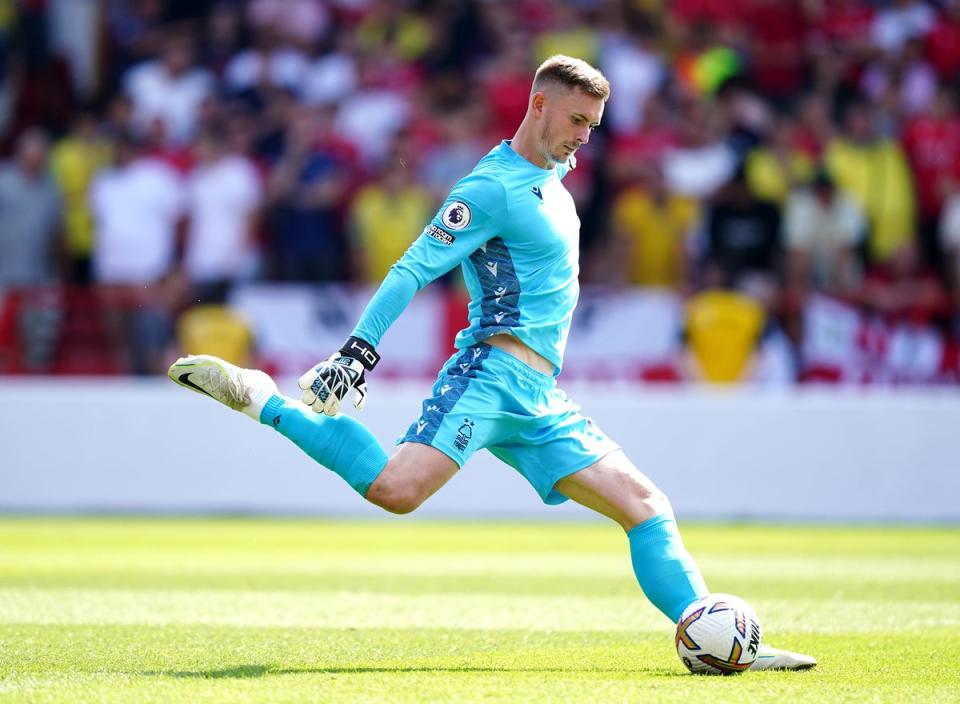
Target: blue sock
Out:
[339,443]
[666,571]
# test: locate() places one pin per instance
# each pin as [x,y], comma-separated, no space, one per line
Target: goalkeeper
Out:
[513,228]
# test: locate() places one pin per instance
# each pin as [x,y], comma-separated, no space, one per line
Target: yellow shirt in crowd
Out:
[878,178]
[74,162]
[656,233]
[385,224]
[771,180]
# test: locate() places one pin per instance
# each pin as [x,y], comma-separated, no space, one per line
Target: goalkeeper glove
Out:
[327,384]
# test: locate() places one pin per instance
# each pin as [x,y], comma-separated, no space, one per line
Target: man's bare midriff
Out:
[513,346]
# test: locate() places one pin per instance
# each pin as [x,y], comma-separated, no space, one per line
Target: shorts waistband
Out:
[533,375]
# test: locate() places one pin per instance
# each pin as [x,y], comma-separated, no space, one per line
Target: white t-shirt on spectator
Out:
[220,199]
[698,172]
[894,26]
[174,99]
[634,74]
[329,79]
[284,68]
[823,231]
[370,119]
[135,211]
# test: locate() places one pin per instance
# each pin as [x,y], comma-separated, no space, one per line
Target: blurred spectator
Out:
[653,228]
[778,30]
[704,161]
[387,215]
[223,197]
[683,16]
[396,29]
[942,44]
[779,166]
[635,72]
[629,153]
[743,242]
[331,75]
[370,117]
[905,289]
[269,65]
[41,92]
[169,89]
[29,214]
[823,229]
[874,170]
[932,144]
[223,36]
[570,31]
[746,116]
[75,33]
[814,128]
[301,22]
[505,82]
[137,207]
[901,21]
[134,32]
[904,82]
[74,161]
[304,192]
[136,204]
[456,155]
[841,29]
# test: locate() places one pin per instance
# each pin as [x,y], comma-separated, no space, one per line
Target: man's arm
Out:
[468,218]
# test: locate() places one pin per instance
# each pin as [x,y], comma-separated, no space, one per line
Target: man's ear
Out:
[537,101]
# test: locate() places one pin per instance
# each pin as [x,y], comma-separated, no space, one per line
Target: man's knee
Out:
[394,496]
[650,501]
[411,476]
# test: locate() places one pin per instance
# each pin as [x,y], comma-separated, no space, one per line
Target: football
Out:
[719,634]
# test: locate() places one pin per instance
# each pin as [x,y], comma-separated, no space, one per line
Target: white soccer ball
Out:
[718,634]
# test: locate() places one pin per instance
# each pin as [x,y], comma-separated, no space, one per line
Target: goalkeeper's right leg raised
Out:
[339,443]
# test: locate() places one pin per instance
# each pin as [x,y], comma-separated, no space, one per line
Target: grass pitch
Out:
[171,610]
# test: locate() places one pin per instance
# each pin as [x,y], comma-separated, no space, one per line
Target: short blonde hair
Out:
[572,73]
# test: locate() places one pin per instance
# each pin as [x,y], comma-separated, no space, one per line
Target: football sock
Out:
[339,442]
[666,571]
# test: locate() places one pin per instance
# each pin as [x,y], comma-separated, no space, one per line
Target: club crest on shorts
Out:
[464,434]
[457,215]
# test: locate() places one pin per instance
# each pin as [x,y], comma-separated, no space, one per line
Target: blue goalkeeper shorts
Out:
[487,398]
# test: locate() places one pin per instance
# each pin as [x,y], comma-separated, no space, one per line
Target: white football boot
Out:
[775,659]
[245,390]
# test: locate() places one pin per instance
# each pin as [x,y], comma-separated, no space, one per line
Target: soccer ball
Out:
[718,634]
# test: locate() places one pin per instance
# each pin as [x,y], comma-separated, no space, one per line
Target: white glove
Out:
[326,386]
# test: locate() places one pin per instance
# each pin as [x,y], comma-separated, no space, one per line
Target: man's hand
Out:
[326,386]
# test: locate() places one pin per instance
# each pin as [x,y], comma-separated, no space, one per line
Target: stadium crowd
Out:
[762,151]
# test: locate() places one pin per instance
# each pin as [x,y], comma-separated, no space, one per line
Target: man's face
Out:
[567,117]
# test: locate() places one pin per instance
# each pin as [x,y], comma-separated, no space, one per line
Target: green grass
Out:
[184,610]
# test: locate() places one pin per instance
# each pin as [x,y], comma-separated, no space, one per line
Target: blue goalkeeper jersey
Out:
[514,229]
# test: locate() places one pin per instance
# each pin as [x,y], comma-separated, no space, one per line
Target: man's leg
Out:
[666,571]
[340,443]
[615,488]
[344,445]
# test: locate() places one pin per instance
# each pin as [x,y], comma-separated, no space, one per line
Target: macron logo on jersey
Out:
[537,192]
